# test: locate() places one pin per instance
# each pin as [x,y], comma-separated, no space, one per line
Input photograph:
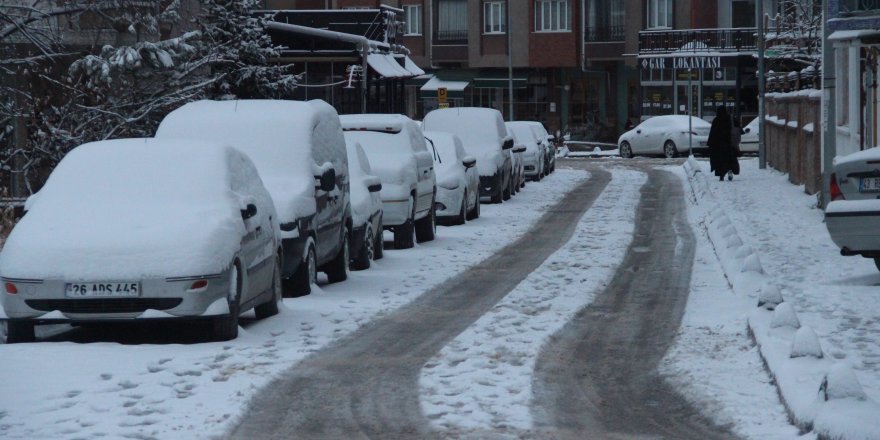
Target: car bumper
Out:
[490,185]
[45,301]
[448,203]
[855,232]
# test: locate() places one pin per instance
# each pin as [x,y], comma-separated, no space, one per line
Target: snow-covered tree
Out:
[794,37]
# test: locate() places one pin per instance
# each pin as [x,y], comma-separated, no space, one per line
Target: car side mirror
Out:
[327,180]
[469,161]
[508,144]
[519,149]
[249,212]
[373,184]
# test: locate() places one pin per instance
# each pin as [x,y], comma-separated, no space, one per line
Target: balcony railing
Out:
[456,36]
[859,7]
[698,40]
[604,33]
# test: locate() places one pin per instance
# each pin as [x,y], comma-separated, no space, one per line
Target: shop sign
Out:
[682,63]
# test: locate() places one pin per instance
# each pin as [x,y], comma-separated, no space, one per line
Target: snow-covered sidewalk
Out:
[171,391]
[769,236]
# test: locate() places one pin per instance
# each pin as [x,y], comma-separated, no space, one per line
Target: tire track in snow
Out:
[366,385]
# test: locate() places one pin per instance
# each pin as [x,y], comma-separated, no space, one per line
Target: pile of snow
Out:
[803,381]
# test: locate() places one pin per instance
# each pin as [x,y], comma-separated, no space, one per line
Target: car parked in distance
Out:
[396,149]
[299,150]
[853,215]
[518,181]
[366,209]
[144,229]
[667,135]
[484,136]
[549,143]
[749,141]
[535,158]
[458,184]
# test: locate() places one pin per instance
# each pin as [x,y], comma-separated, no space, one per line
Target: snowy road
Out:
[366,386]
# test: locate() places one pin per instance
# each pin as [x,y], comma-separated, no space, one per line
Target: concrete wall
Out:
[794,150]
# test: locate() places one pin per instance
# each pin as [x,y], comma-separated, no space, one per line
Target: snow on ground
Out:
[835,296]
[482,379]
[103,389]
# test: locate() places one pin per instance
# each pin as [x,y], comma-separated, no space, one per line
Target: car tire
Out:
[461,218]
[225,328]
[337,269]
[626,151]
[426,228]
[669,150]
[498,197]
[300,284]
[19,332]
[403,234]
[505,193]
[366,254]
[270,308]
[877,262]
[474,213]
[379,246]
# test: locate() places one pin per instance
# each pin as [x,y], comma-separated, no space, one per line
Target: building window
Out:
[413,15]
[494,18]
[660,14]
[605,20]
[452,20]
[552,16]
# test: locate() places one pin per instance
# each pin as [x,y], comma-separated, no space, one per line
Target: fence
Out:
[794,137]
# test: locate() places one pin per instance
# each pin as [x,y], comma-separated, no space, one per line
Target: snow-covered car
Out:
[484,136]
[395,147]
[366,209]
[458,184]
[749,141]
[144,229]
[299,150]
[668,135]
[535,157]
[853,215]
[548,141]
[518,178]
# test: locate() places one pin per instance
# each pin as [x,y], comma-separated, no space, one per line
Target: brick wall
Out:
[795,150]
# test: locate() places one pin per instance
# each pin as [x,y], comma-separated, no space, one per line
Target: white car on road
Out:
[458,185]
[853,216]
[535,157]
[398,155]
[668,135]
[749,141]
[366,209]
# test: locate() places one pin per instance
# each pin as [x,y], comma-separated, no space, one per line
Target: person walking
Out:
[722,152]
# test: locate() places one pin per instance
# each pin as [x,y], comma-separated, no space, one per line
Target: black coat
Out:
[722,155]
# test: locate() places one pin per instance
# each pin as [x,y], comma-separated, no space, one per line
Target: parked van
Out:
[299,151]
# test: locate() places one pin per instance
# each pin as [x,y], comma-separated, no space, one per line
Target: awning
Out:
[410,65]
[386,66]
[454,89]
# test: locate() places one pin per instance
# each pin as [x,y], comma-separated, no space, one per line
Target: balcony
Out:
[859,7]
[601,34]
[451,36]
[715,40]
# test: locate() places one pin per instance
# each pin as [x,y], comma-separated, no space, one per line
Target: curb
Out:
[819,394]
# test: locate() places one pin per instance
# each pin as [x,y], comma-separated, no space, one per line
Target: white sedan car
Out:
[668,135]
[853,216]
[458,184]
[366,209]
[749,141]
[535,156]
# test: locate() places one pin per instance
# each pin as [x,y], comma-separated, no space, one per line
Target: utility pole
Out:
[509,62]
[762,148]
[829,110]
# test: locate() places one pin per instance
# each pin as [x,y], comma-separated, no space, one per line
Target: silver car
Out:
[853,215]
[144,229]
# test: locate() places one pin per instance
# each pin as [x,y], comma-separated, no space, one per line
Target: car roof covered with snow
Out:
[478,128]
[134,208]
[289,141]
[384,124]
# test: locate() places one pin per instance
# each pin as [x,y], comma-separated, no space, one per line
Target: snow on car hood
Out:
[489,162]
[859,156]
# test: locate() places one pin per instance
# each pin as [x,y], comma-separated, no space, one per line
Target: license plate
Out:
[103,290]
[870,184]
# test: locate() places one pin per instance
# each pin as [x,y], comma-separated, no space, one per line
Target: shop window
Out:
[413,19]
[494,18]
[552,15]
[660,14]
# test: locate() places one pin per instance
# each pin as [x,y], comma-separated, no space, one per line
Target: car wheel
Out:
[474,213]
[669,150]
[499,193]
[626,151]
[379,247]
[18,332]
[462,215]
[426,228]
[877,262]
[337,270]
[225,327]
[505,194]
[403,234]
[270,307]
[366,254]
[300,284]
